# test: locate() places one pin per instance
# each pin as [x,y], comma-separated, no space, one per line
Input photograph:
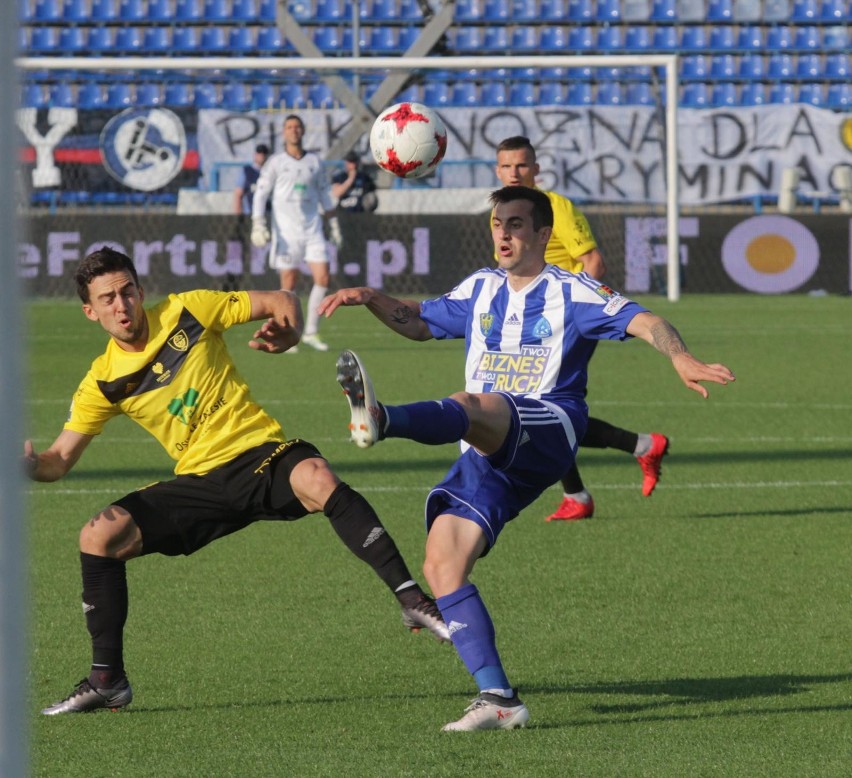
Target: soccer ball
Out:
[408,140]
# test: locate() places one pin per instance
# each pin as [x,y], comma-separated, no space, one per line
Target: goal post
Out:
[363,111]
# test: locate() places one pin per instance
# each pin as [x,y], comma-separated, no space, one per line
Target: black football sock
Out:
[358,526]
[571,481]
[105,606]
[601,434]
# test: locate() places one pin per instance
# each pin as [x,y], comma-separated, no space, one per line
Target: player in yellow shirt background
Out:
[169,370]
[573,247]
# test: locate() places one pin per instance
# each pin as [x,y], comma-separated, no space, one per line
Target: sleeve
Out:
[263,189]
[447,316]
[218,310]
[571,228]
[324,190]
[89,410]
[600,312]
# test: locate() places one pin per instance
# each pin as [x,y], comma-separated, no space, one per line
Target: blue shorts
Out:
[492,490]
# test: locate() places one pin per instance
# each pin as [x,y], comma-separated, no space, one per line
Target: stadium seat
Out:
[104,10]
[494,93]
[580,11]
[805,11]
[62,95]
[409,10]
[724,94]
[467,39]
[469,10]
[34,95]
[807,37]
[581,38]
[751,67]
[263,95]
[497,11]
[720,11]
[292,95]
[496,39]
[609,39]
[159,11]
[464,93]
[552,10]
[836,37]
[750,38]
[723,66]
[157,40]
[695,95]
[411,94]
[635,10]
[48,11]
[266,10]
[245,11]
[525,39]
[129,40]
[694,68]
[26,12]
[839,96]
[320,95]
[270,40]
[552,93]
[436,93]
[553,39]
[132,11]
[693,38]
[836,67]
[665,38]
[664,11]
[185,39]
[189,10]
[780,66]
[328,38]
[384,40]
[779,37]
[205,95]
[44,40]
[235,96]
[75,11]
[782,93]
[241,40]
[90,95]
[812,94]
[525,10]
[753,93]
[522,93]
[808,66]
[747,11]
[721,38]
[639,93]
[118,95]
[148,95]
[579,93]
[214,40]
[217,10]
[776,10]
[177,95]
[834,11]
[637,38]
[101,40]
[608,11]
[73,39]
[408,34]
[609,93]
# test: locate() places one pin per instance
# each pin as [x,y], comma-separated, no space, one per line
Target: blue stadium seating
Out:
[780,37]
[722,37]
[214,40]
[525,38]
[663,11]
[436,93]
[807,37]
[552,10]
[497,11]
[73,40]
[581,38]
[159,11]
[750,38]
[723,66]
[104,10]
[608,11]
[467,39]
[157,40]
[177,94]
[189,10]
[242,40]
[609,39]
[695,95]
[720,11]
[805,11]
[129,40]
[118,95]
[724,94]
[266,10]
[90,95]
[48,11]
[637,39]
[494,93]
[665,39]
[263,95]
[62,95]
[694,68]
[782,93]
[245,10]
[467,10]
[811,93]
[525,10]
[780,65]
[185,39]
[836,37]
[553,39]
[639,93]
[148,95]
[522,93]
[75,11]
[839,96]
[580,11]
[808,66]
[579,93]
[552,93]
[752,67]
[217,10]
[320,95]
[132,11]
[609,93]
[693,38]
[409,10]
[34,96]
[496,39]
[44,40]
[235,97]
[270,40]
[464,93]
[292,95]
[205,95]
[836,67]
[753,93]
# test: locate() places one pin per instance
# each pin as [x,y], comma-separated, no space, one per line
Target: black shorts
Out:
[185,514]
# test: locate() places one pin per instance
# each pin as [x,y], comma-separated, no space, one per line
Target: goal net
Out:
[151,165]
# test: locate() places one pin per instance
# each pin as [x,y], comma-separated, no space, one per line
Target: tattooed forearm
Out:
[667,340]
[401,315]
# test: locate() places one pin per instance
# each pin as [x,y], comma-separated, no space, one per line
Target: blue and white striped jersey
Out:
[536,341]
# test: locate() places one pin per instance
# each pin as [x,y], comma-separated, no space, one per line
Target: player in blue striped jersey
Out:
[529,330]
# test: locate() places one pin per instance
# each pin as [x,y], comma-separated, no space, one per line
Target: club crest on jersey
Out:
[542,328]
[486,323]
[605,292]
[179,341]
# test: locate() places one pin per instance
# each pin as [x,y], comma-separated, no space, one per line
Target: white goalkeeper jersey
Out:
[536,341]
[300,193]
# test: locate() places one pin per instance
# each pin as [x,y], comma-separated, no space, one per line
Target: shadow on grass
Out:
[757,514]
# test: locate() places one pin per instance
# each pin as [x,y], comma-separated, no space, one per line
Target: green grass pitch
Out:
[705,631]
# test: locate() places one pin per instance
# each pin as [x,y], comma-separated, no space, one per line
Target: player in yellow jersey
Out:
[168,369]
[573,247]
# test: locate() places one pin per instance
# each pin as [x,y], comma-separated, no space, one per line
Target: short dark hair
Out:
[516,143]
[296,117]
[262,148]
[104,260]
[542,211]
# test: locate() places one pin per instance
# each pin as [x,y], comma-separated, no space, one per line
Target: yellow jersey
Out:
[183,388]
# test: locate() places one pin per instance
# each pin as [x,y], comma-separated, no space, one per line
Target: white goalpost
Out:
[363,113]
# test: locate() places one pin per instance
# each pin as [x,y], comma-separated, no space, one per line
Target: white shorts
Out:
[288,254]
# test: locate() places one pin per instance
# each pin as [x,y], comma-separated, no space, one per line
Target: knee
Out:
[312,482]
[442,575]
[111,533]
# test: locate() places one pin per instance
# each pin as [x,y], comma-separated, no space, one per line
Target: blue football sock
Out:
[432,422]
[472,633]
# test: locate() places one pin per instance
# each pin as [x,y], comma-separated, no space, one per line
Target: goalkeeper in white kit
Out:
[301,194]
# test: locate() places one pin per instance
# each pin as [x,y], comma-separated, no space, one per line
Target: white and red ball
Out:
[408,140]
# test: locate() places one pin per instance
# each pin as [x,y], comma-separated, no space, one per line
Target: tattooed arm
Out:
[666,339]
[402,316]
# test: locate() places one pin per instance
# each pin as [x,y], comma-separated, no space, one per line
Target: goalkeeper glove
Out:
[334,232]
[259,232]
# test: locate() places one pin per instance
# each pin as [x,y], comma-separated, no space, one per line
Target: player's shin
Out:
[105,604]
[432,422]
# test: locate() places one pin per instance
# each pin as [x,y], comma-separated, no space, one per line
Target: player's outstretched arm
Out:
[402,316]
[54,462]
[666,339]
[283,326]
